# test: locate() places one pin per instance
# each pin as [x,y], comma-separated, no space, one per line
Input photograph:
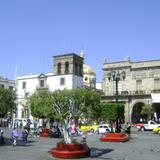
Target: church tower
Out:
[68,64]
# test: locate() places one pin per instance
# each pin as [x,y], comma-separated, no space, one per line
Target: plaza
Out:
[142,146]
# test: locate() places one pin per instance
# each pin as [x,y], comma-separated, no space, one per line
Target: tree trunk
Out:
[67,137]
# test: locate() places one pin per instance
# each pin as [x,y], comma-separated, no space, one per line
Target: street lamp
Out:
[116,76]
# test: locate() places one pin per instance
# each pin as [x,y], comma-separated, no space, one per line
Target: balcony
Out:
[42,87]
[156,91]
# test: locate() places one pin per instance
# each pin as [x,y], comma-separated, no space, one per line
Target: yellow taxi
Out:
[156,130]
[89,127]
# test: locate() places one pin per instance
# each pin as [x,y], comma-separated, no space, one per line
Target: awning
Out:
[155,97]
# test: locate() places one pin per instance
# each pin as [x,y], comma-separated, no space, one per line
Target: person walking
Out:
[24,136]
[14,136]
[2,142]
[128,128]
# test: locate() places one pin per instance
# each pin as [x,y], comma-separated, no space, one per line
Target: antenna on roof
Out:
[15,73]
[82,54]
[43,61]
[105,60]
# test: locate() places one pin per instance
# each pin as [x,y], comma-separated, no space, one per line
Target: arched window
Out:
[66,67]
[59,68]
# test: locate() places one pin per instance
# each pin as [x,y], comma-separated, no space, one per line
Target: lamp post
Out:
[116,76]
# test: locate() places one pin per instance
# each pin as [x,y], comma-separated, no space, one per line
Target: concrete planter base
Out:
[44,132]
[70,151]
[114,137]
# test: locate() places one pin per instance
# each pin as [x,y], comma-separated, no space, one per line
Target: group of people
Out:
[72,127]
[15,136]
[126,129]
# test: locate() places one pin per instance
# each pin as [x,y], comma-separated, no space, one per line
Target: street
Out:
[142,146]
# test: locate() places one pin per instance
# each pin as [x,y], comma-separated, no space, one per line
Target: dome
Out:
[88,70]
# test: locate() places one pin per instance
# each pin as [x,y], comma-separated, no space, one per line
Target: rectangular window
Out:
[2,85]
[11,87]
[23,85]
[41,83]
[157,83]
[62,81]
[139,85]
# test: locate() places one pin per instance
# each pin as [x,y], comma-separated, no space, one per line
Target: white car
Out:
[103,128]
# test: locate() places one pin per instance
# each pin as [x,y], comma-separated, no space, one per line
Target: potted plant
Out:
[113,112]
[64,106]
[68,105]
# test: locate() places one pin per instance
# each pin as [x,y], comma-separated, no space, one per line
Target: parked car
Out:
[103,128]
[89,127]
[156,130]
[149,126]
[19,122]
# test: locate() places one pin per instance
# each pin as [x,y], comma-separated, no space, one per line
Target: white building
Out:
[68,74]
[6,83]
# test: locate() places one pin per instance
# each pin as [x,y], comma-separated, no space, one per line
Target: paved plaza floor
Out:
[142,146]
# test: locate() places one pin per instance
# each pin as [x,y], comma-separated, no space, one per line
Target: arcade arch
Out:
[136,115]
[136,110]
[156,108]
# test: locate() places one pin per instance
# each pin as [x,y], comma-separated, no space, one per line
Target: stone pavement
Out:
[142,146]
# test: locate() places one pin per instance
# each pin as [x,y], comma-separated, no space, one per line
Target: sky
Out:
[33,31]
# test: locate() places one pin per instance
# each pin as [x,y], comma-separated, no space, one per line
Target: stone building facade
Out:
[7,83]
[140,83]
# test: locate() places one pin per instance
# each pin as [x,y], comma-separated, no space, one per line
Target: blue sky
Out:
[33,31]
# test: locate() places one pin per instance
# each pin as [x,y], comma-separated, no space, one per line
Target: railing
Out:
[140,92]
[42,87]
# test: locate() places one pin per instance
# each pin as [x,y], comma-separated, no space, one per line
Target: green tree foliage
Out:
[58,104]
[75,103]
[7,101]
[68,104]
[41,104]
[147,111]
[111,111]
[64,105]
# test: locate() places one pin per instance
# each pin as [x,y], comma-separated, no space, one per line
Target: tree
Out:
[7,101]
[147,111]
[64,105]
[69,104]
[40,104]
[111,111]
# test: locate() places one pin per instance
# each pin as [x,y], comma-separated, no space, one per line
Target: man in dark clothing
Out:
[24,136]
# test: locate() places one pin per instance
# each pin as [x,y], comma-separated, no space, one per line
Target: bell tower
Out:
[70,63]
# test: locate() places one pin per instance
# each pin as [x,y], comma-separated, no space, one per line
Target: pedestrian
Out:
[2,142]
[73,128]
[14,136]
[28,127]
[128,129]
[24,136]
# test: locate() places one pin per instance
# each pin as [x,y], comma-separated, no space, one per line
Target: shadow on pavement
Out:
[97,152]
[8,142]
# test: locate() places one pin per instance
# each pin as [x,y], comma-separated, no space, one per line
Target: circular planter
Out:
[44,132]
[114,137]
[70,151]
